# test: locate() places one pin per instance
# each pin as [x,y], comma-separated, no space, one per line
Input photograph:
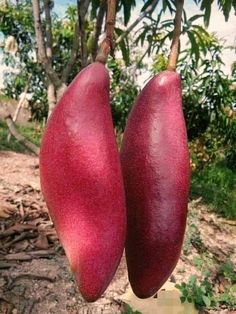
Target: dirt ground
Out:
[34,272]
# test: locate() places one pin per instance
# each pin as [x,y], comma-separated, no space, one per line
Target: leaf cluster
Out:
[201,294]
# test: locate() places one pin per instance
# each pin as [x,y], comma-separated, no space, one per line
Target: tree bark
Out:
[48,31]
[52,101]
[82,6]
[98,27]
[42,55]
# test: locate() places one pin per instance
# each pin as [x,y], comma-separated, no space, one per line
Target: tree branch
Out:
[41,45]
[38,30]
[52,100]
[98,27]
[174,49]
[20,138]
[82,6]
[111,19]
[107,45]
[73,55]
[142,15]
[48,31]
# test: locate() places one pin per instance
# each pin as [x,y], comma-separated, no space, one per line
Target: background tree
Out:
[55,48]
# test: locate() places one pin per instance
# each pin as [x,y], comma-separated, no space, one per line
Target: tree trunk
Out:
[54,95]
[51,98]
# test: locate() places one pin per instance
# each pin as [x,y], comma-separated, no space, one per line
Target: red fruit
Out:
[82,183]
[155,164]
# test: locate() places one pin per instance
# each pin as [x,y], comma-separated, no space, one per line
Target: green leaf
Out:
[149,2]
[233,288]
[206,300]
[206,6]
[192,280]
[167,4]
[125,52]
[127,6]
[182,299]
[194,46]
[95,6]
[124,47]
[195,17]
[226,7]
[142,36]
[201,29]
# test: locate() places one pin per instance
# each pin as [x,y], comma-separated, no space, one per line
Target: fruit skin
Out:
[82,182]
[155,164]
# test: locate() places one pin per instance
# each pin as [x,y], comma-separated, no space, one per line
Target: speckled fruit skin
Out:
[82,182]
[155,164]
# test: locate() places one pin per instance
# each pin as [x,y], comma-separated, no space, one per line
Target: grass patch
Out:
[4,98]
[216,184]
[32,133]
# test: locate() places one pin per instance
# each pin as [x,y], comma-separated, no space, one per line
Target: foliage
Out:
[224,5]
[193,238]
[208,93]
[17,20]
[227,270]
[33,133]
[201,294]
[123,92]
[128,310]
[123,88]
[209,100]
[227,299]
[216,184]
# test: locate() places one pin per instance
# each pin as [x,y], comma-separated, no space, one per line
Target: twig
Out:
[22,236]
[19,105]
[5,265]
[34,277]
[17,228]
[13,279]
[142,15]
[107,45]
[98,27]
[27,256]
[21,139]
[174,49]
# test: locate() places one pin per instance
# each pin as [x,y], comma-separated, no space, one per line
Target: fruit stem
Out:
[107,45]
[174,48]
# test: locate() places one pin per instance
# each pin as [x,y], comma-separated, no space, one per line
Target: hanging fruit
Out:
[155,164]
[81,176]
